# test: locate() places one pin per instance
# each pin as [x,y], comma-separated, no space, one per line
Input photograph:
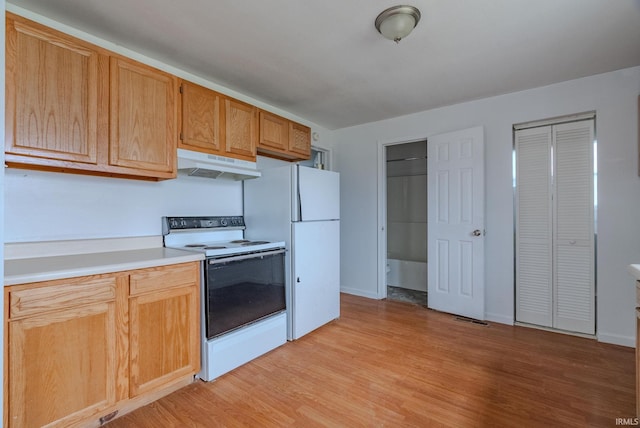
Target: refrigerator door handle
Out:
[298,194]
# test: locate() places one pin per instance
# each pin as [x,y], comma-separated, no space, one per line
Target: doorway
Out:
[455,221]
[406,222]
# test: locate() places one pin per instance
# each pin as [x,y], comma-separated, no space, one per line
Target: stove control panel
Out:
[218,222]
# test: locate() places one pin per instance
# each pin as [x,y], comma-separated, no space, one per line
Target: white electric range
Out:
[243,289]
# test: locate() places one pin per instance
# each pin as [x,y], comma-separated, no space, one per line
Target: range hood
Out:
[198,164]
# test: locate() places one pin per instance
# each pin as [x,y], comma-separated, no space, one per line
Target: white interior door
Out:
[456,222]
[316,275]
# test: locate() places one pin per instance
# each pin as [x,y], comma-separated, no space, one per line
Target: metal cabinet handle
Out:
[476,232]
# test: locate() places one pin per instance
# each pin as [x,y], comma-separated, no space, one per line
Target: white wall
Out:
[614,98]
[45,206]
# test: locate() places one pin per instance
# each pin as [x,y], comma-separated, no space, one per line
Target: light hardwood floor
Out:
[393,364]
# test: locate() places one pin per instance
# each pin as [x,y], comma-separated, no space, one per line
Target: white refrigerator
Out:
[301,206]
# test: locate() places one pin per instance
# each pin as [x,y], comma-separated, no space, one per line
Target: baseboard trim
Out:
[500,319]
[616,339]
[361,293]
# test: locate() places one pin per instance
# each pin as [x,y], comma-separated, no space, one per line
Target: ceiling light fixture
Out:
[397,22]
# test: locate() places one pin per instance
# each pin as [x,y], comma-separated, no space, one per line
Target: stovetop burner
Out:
[214,236]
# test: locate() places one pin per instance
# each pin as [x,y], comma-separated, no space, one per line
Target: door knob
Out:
[476,232]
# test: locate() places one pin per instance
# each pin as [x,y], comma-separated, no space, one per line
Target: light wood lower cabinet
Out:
[80,349]
[63,351]
[164,339]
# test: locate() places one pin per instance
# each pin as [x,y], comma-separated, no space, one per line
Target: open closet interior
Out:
[407,222]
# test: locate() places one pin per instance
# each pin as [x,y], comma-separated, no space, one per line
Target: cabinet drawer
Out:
[61,294]
[153,279]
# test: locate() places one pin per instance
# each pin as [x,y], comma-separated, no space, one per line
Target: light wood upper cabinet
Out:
[274,131]
[72,106]
[142,117]
[282,138]
[52,85]
[240,129]
[200,118]
[300,140]
[217,124]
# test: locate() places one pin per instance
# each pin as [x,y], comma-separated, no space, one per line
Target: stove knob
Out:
[223,222]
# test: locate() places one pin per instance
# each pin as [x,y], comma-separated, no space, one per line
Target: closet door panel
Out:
[574,294]
[533,227]
[574,300]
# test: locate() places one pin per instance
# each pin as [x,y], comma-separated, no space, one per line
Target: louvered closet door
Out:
[534,227]
[574,285]
[555,263]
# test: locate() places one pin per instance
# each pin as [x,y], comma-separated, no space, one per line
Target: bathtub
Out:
[407,274]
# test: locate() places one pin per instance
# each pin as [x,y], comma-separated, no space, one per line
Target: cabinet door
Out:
[52,108]
[274,131]
[142,117]
[300,140]
[240,129]
[200,118]
[63,362]
[164,326]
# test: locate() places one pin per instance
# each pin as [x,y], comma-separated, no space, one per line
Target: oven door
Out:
[242,289]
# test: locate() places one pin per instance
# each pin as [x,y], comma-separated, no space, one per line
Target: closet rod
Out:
[405,159]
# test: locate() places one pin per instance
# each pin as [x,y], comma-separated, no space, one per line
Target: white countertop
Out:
[634,270]
[35,269]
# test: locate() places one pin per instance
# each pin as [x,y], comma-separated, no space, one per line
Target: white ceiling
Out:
[325,61]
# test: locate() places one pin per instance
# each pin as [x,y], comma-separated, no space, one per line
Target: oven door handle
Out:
[245,256]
